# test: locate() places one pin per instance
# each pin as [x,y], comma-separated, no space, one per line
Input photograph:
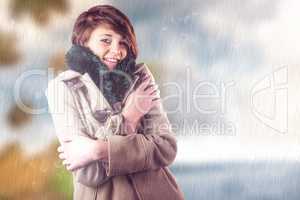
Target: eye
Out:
[106,41]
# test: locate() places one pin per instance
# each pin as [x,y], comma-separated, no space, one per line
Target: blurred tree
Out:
[57,62]
[24,177]
[9,54]
[17,117]
[39,10]
[61,182]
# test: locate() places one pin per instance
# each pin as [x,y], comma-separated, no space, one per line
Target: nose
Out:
[115,48]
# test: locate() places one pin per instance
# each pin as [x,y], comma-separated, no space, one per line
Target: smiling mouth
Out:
[111,61]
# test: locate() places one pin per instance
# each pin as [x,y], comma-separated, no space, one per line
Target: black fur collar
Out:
[113,84]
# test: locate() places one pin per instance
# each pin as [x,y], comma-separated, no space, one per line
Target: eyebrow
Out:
[109,35]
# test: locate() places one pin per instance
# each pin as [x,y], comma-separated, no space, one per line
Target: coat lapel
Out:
[96,97]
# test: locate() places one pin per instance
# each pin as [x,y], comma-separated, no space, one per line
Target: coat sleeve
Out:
[67,123]
[154,148]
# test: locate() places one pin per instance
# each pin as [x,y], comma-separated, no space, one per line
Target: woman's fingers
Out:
[152,86]
[62,156]
[154,90]
[70,168]
[149,86]
[156,96]
[60,149]
[66,162]
[156,101]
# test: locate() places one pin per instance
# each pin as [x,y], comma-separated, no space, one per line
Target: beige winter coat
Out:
[137,163]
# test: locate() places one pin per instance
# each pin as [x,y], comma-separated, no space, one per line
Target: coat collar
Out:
[97,99]
[112,83]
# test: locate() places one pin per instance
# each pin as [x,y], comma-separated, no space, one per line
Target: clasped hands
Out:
[78,151]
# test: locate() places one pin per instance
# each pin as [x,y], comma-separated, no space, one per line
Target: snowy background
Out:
[228,72]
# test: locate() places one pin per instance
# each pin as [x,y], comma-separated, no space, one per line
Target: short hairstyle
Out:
[107,15]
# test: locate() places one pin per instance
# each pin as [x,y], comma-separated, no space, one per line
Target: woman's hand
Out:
[79,151]
[140,101]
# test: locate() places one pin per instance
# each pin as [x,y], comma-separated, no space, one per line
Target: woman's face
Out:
[108,45]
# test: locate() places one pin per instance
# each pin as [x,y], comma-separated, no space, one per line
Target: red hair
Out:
[104,15]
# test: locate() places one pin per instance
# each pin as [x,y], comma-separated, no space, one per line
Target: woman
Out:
[115,137]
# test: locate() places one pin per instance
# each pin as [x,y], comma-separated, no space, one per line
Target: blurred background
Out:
[228,74]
